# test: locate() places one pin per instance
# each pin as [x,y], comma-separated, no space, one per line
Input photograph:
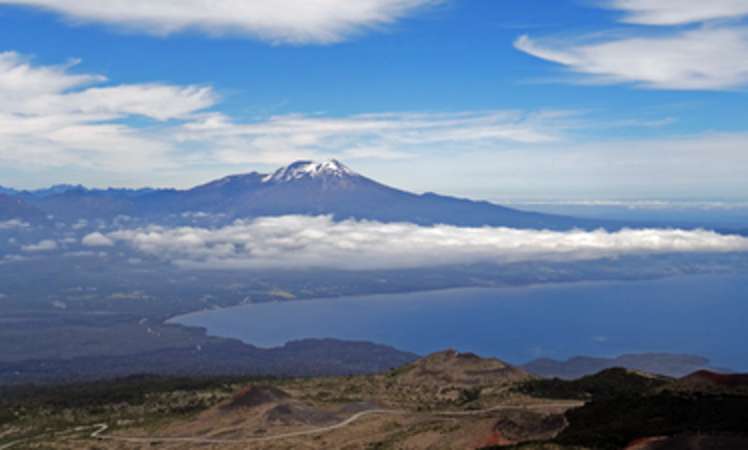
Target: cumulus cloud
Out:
[96,240]
[319,242]
[711,56]
[279,21]
[46,245]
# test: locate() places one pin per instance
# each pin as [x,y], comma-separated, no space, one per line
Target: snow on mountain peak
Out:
[310,169]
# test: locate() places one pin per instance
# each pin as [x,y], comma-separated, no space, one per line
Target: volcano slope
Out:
[447,400]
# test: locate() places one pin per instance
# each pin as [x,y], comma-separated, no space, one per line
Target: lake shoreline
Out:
[388,325]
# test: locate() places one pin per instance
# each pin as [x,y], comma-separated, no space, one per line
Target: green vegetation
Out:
[469,395]
[133,390]
[143,400]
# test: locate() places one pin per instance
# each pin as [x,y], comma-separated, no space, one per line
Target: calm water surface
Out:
[703,315]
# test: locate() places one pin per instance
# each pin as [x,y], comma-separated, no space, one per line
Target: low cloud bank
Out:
[318,242]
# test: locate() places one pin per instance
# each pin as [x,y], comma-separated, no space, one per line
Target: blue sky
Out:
[624,99]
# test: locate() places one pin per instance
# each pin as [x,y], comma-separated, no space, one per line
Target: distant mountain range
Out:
[304,187]
[668,364]
[214,356]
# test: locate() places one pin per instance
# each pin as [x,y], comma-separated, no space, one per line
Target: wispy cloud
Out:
[52,117]
[278,21]
[319,242]
[280,139]
[712,56]
[677,12]
[702,59]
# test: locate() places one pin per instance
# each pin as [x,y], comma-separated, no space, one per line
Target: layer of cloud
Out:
[319,242]
[46,245]
[677,12]
[278,21]
[712,56]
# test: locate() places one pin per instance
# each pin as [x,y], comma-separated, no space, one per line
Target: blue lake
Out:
[701,315]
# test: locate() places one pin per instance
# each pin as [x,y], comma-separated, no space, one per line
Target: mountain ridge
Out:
[667,364]
[303,188]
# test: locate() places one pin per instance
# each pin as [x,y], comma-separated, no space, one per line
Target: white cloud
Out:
[80,224]
[96,240]
[155,101]
[278,21]
[388,136]
[701,59]
[13,224]
[41,246]
[319,242]
[13,258]
[52,117]
[81,254]
[711,56]
[54,122]
[677,12]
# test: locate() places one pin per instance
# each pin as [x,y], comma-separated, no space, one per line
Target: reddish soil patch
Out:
[645,442]
[691,441]
[495,439]
[721,379]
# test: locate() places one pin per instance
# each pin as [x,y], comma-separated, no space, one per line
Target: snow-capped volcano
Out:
[310,169]
[301,188]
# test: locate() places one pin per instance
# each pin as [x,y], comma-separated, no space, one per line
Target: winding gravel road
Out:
[98,434]
[194,440]
[101,428]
